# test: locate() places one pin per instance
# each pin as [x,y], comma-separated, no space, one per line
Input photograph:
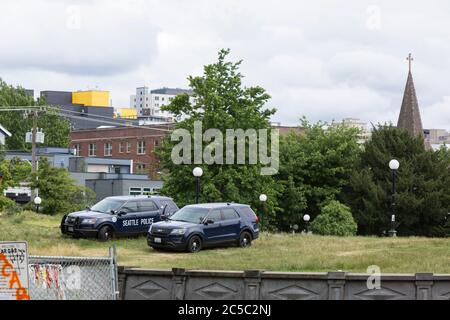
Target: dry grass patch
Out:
[273,252]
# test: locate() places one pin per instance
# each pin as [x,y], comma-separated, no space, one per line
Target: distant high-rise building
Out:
[148,102]
[410,118]
[364,135]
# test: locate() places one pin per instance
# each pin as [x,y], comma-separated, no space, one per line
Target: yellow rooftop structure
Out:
[91,98]
[127,113]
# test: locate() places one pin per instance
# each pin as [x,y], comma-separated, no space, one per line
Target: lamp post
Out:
[263,199]
[307,219]
[198,173]
[394,165]
[37,202]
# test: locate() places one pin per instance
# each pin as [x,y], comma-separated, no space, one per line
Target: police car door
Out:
[148,213]
[214,231]
[127,221]
[231,224]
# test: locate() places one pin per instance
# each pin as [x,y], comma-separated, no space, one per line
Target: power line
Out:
[108,120]
[70,116]
[113,121]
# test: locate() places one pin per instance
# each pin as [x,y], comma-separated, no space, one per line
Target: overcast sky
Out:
[322,59]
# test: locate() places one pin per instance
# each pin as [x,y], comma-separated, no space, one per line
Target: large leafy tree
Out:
[56,129]
[59,191]
[219,101]
[423,188]
[314,168]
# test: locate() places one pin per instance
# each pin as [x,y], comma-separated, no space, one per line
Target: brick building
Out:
[135,143]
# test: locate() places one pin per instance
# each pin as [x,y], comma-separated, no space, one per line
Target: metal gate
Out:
[73,278]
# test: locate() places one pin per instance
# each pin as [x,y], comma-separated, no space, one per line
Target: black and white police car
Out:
[118,216]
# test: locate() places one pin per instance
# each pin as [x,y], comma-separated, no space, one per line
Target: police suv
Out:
[204,225]
[118,216]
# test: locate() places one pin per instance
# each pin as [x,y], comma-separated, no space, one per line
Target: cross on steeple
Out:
[410,60]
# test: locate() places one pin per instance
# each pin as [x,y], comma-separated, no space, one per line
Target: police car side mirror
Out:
[122,213]
[209,222]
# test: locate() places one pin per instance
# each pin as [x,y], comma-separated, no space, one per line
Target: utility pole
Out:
[34,115]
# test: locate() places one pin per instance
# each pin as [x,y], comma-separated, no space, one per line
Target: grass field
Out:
[274,252]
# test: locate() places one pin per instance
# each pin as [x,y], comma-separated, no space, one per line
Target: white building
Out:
[365,134]
[149,102]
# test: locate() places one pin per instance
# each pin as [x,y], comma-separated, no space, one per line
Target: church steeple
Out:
[409,118]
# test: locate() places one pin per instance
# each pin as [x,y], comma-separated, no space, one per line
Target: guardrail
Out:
[181,284]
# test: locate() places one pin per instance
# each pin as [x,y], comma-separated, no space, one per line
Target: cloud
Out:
[89,38]
[323,59]
[438,114]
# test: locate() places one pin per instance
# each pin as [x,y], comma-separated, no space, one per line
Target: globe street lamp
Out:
[263,199]
[37,202]
[307,219]
[394,165]
[198,173]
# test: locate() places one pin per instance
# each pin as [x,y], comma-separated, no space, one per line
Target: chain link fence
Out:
[73,278]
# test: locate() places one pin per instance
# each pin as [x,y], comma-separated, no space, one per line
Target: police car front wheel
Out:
[194,244]
[106,233]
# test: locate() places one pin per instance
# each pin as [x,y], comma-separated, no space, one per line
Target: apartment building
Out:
[134,143]
[148,103]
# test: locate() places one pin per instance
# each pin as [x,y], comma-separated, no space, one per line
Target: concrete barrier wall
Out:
[181,284]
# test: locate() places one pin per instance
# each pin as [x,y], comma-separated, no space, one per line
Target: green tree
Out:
[315,166]
[14,172]
[335,219]
[423,186]
[221,102]
[56,128]
[58,190]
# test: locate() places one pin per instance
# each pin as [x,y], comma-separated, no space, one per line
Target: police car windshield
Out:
[107,206]
[189,214]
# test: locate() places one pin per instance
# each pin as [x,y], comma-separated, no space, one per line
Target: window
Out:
[131,206]
[229,214]
[162,99]
[135,191]
[215,216]
[121,147]
[148,206]
[77,149]
[92,149]
[171,206]
[128,146]
[140,169]
[156,98]
[141,147]
[108,149]
[147,191]
[247,213]
[156,143]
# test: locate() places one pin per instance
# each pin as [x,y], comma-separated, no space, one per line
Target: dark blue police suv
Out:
[204,225]
[117,216]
